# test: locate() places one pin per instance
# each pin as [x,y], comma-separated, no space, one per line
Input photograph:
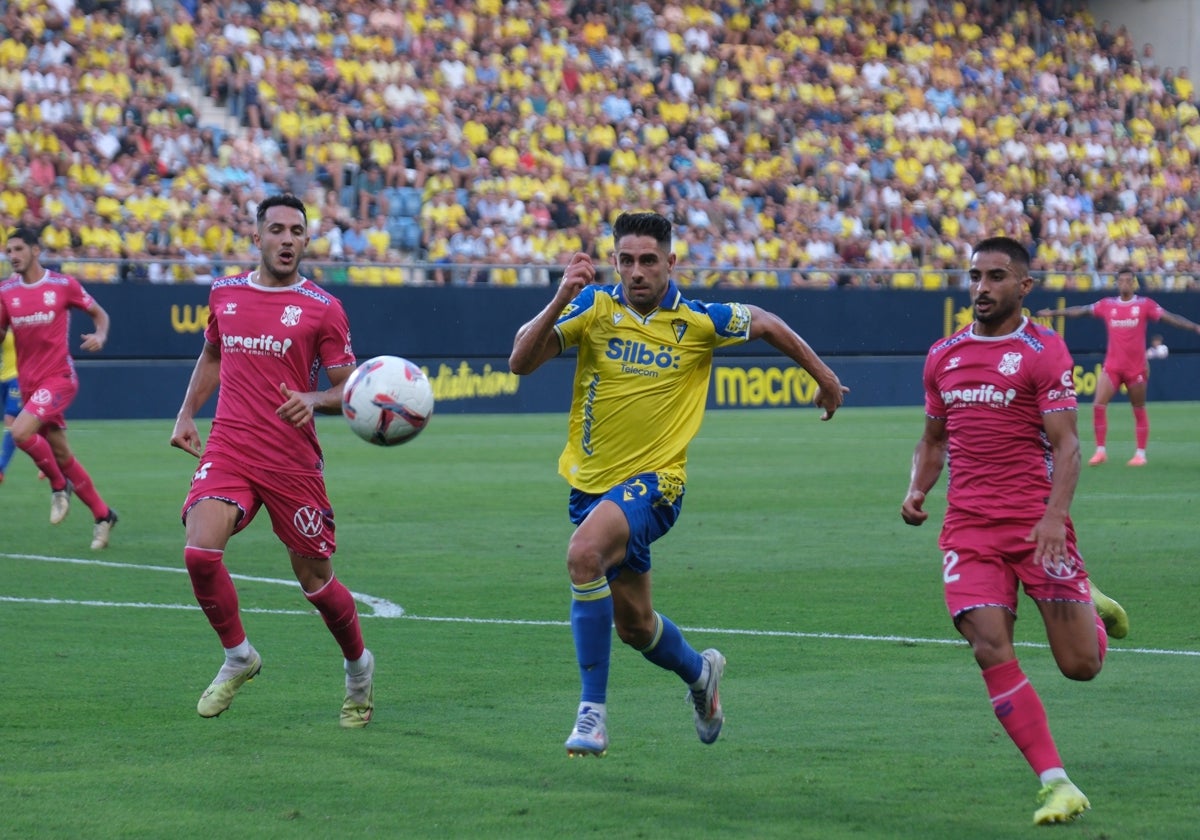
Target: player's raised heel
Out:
[102,529]
[706,702]
[60,503]
[590,735]
[1116,620]
[1061,802]
[218,696]
[359,704]
[1097,459]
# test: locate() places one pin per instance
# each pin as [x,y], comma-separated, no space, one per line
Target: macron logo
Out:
[260,344]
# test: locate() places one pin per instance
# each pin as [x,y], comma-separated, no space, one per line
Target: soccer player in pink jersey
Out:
[1000,405]
[35,304]
[269,332]
[1126,318]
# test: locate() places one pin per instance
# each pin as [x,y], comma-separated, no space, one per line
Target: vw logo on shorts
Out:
[308,521]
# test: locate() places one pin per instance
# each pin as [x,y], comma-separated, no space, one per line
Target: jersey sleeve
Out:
[731,322]
[212,331]
[935,407]
[1055,378]
[333,343]
[573,322]
[1153,311]
[77,296]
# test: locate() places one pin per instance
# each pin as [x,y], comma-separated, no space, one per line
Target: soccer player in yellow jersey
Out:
[10,393]
[641,384]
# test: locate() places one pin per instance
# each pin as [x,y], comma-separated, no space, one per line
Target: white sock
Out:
[602,708]
[1139,453]
[240,653]
[359,666]
[699,684]
[1099,450]
[1054,774]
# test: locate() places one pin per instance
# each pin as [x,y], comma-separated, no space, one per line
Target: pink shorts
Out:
[49,400]
[983,565]
[298,505]
[1125,376]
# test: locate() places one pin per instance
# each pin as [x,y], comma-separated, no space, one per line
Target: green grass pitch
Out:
[853,710]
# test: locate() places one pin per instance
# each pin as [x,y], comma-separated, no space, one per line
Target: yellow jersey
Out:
[8,359]
[641,382]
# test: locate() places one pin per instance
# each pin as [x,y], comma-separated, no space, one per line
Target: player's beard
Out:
[999,312]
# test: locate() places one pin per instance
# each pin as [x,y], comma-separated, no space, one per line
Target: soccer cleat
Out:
[359,704]
[1116,620]
[1061,802]
[706,702]
[102,529]
[1097,459]
[60,503]
[1137,461]
[218,696]
[590,735]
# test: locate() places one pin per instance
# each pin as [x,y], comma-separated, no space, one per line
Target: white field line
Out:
[383,608]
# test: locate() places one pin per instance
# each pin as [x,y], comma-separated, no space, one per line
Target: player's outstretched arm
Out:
[1179,322]
[536,342]
[774,331]
[928,459]
[1069,312]
[206,376]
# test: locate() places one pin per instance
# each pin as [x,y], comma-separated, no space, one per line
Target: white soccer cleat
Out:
[706,701]
[590,735]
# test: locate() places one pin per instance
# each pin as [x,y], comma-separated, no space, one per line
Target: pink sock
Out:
[336,605]
[1141,426]
[215,593]
[38,448]
[1021,713]
[84,489]
[1100,423]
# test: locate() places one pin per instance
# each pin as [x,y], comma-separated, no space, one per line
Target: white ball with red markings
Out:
[387,400]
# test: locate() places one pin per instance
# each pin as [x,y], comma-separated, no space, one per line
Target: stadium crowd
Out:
[793,142]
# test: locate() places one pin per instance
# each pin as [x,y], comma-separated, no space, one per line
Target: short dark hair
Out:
[27,235]
[281,200]
[1014,250]
[643,224]
[1126,270]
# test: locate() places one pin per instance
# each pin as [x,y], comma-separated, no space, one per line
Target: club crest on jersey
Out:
[291,316]
[679,326]
[1010,364]
[48,297]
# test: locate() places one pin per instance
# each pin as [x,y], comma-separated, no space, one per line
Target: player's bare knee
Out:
[584,561]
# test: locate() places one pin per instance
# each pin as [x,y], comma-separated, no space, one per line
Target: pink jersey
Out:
[39,316]
[1126,321]
[993,393]
[266,336]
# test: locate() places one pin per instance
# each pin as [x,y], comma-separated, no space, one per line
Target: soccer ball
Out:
[387,401]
